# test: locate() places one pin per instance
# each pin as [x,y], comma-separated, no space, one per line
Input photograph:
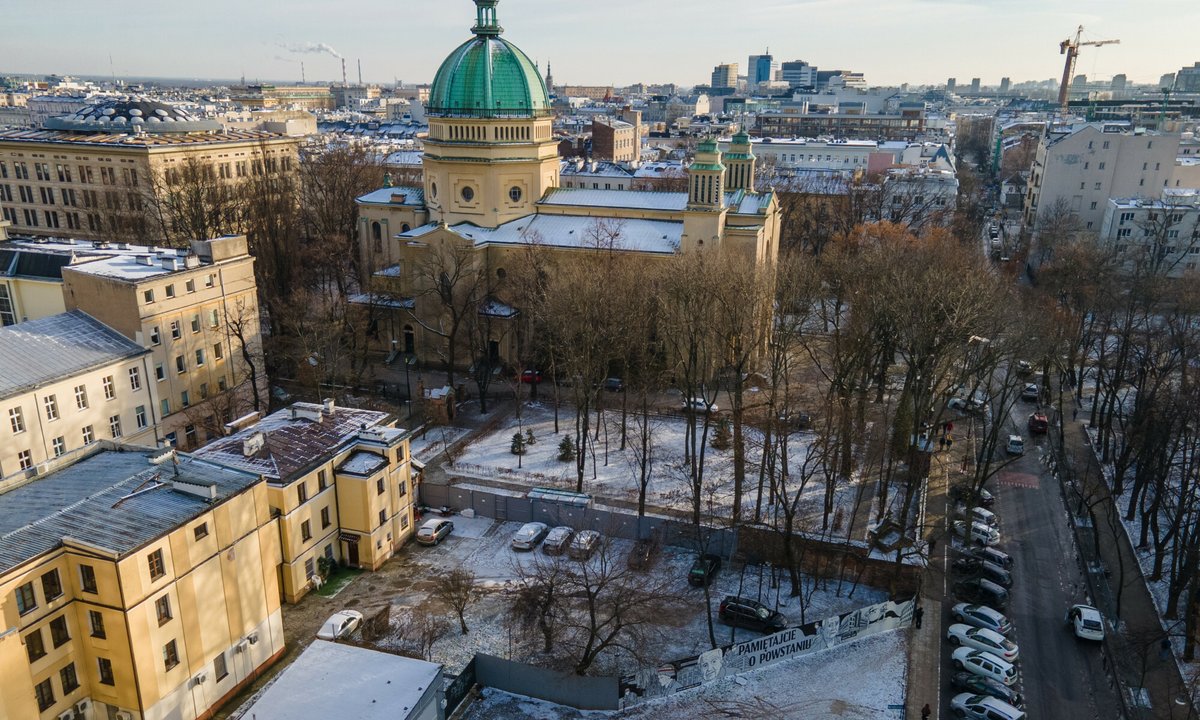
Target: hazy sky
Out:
[613,41]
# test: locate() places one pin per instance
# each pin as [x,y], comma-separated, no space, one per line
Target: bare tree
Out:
[456,590]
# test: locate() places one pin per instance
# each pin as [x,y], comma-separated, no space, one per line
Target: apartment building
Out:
[101,172]
[135,585]
[1160,237]
[1081,167]
[338,479]
[615,140]
[196,310]
[66,383]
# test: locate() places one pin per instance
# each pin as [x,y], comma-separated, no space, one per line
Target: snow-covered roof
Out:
[378,300]
[398,195]
[495,308]
[419,231]
[362,463]
[405,158]
[624,199]
[334,680]
[571,231]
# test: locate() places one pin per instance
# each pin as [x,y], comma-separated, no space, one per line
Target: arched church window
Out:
[468,193]
[377,236]
[514,194]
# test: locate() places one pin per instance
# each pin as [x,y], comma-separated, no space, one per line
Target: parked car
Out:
[642,555]
[1024,367]
[434,530]
[983,639]
[530,534]
[1039,424]
[750,614]
[340,624]
[703,570]
[981,616]
[992,555]
[584,544]
[613,384]
[979,515]
[1087,622]
[796,420]
[974,567]
[976,533]
[977,685]
[981,590]
[1030,392]
[557,540]
[533,377]
[698,405]
[968,494]
[1015,445]
[984,707]
[984,664]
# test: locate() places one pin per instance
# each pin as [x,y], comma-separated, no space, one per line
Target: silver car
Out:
[530,534]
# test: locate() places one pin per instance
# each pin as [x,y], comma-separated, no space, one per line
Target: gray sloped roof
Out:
[38,352]
[114,500]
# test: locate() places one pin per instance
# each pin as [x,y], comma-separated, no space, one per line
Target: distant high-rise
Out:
[1119,83]
[1188,79]
[799,74]
[1167,81]
[951,84]
[975,85]
[1005,84]
[725,76]
[761,69]
[1079,80]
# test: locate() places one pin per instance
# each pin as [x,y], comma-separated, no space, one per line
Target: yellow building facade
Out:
[136,585]
[339,480]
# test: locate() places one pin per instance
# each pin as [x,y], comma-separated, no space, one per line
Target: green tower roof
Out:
[488,77]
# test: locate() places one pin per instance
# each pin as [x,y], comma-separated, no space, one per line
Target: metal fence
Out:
[577,691]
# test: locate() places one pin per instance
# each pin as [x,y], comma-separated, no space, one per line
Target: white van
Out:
[980,515]
[1016,445]
[985,665]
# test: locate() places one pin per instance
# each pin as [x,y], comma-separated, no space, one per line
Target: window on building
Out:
[383,516]
[154,562]
[148,295]
[189,435]
[200,357]
[324,517]
[169,290]
[200,531]
[1102,166]
[50,403]
[218,352]
[379,486]
[305,531]
[110,388]
[220,670]
[135,378]
[96,621]
[60,445]
[105,670]
[16,418]
[162,609]
[302,493]
[1097,186]
[89,435]
[1093,204]
[180,364]
[221,384]
[35,647]
[170,655]
[196,323]
[87,579]
[176,332]
[114,426]
[45,695]
[70,681]
[214,318]
[203,391]
[26,599]
[403,488]
[139,414]
[81,400]
[25,459]
[165,407]
[210,280]
[322,480]
[160,373]
[310,568]
[59,634]
[190,286]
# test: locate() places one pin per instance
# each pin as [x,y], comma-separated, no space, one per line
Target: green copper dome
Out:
[488,77]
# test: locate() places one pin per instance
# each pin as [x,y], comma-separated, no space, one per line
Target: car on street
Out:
[613,384]
[583,544]
[992,555]
[704,569]
[1030,391]
[984,664]
[340,625]
[1087,622]
[981,590]
[981,616]
[557,540]
[983,639]
[976,533]
[1024,367]
[532,377]
[967,493]
[976,685]
[984,707]
[973,567]
[796,420]
[434,530]
[750,614]
[1039,424]
[698,405]
[979,515]
[641,555]
[1015,445]
[530,534]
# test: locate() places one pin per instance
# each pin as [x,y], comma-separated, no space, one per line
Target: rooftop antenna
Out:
[360,71]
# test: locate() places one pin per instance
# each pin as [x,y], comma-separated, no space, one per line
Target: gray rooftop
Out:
[572,231]
[38,352]
[114,500]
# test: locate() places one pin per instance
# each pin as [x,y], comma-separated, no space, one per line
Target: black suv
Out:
[975,567]
[703,570]
[751,614]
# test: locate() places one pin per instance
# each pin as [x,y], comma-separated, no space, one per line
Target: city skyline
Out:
[1016,39]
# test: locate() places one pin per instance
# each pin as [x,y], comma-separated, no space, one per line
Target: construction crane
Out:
[1070,48]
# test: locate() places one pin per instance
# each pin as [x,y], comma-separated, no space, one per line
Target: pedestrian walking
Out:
[918,615]
[1074,414]
[1164,649]
[949,442]
[926,712]
[966,461]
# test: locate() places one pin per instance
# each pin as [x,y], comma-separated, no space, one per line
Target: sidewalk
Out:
[1133,649]
[924,648]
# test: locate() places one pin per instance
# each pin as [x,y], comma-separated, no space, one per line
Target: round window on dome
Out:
[468,193]
[515,194]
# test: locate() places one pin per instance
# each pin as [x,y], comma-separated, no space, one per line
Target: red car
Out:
[532,376]
[1038,423]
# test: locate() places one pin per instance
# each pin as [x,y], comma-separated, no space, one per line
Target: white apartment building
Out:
[1155,236]
[1086,165]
